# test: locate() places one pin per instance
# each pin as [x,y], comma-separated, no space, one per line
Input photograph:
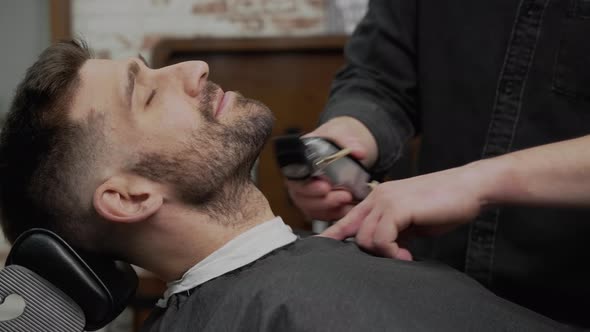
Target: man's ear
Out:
[127,198]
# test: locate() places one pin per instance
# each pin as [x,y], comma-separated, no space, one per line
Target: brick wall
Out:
[118,29]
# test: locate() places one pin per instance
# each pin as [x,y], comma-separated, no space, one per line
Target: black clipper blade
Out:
[290,152]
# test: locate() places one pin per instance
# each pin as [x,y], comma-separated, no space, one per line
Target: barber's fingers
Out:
[330,207]
[378,234]
[376,230]
[333,199]
[312,188]
[318,200]
[364,236]
[386,235]
[349,225]
[393,250]
[331,214]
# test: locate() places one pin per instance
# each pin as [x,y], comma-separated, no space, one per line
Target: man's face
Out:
[172,125]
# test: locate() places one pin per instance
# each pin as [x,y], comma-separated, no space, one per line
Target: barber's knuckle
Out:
[332,205]
[347,227]
[364,242]
[380,190]
[380,243]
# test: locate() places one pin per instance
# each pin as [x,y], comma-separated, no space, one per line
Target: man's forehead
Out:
[95,68]
[100,81]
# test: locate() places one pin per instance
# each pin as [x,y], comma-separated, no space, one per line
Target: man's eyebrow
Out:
[140,57]
[132,71]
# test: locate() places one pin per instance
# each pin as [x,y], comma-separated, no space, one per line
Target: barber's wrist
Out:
[494,180]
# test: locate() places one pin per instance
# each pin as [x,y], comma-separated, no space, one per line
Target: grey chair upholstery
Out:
[64,289]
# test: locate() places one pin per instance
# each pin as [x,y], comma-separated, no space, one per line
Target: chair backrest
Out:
[64,289]
[47,308]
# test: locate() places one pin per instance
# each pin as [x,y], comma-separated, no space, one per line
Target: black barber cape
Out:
[319,284]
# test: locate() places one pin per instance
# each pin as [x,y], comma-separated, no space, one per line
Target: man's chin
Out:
[258,115]
[247,128]
[261,121]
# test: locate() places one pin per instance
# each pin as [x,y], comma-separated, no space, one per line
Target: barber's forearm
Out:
[378,85]
[556,174]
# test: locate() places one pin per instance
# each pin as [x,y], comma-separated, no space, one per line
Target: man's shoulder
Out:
[317,267]
[322,284]
[324,256]
[301,270]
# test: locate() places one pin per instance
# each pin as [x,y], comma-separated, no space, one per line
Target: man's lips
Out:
[222,102]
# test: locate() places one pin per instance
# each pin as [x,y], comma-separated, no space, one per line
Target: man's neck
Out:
[179,237]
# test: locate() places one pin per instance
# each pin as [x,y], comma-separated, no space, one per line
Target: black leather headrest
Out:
[101,287]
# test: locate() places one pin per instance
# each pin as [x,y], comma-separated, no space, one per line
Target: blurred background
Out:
[282,52]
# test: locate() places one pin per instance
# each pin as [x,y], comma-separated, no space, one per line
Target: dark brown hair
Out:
[43,154]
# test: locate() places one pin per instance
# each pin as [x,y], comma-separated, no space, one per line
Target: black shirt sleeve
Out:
[378,84]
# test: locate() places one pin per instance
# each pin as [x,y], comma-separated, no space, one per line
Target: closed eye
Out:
[149,100]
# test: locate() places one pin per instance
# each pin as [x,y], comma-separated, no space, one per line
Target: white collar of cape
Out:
[240,251]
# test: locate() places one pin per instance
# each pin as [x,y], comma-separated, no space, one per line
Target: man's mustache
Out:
[207,99]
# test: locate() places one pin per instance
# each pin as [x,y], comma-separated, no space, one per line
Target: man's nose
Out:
[195,75]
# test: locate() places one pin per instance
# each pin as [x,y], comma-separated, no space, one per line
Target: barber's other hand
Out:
[316,198]
[431,204]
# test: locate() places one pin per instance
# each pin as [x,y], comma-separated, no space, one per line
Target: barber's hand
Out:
[431,204]
[316,198]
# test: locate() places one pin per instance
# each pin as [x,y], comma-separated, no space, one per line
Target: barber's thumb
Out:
[357,150]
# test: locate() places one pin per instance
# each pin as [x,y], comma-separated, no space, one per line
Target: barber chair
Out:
[64,290]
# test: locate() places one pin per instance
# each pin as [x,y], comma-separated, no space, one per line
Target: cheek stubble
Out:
[216,154]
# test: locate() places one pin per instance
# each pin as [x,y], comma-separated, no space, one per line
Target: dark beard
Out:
[212,169]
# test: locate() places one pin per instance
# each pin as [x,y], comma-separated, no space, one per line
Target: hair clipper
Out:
[301,158]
